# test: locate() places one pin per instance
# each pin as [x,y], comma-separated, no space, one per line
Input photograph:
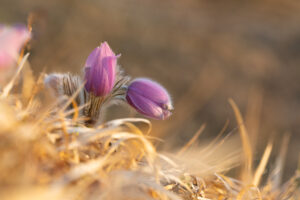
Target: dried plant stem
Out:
[276,174]
[10,85]
[248,154]
[262,165]
[192,140]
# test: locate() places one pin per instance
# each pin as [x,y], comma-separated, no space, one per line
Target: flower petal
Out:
[93,57]
[150,90]
[145,106]
[100,70]
[11,41]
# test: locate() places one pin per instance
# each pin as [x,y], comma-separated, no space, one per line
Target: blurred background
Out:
[202,51]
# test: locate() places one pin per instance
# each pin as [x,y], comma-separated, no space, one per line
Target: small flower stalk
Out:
[12,38]
[100,70]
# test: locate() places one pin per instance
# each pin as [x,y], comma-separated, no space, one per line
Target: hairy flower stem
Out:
[92,111]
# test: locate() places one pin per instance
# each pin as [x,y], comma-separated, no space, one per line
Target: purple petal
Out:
[93,57]
[145,106]
[88,78]
[100,70]
[97,80]
[106,50]
[149,98]
[150,90]
[109,64]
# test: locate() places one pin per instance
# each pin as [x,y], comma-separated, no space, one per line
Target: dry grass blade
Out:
[76,110]
[217,139]
[248,155]
[28,82]
[10,85]
[192,140]
[262,165]
[119,122]
[72,98]
[276,174]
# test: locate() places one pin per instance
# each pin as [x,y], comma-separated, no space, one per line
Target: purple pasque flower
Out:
[100,70]
[12,38]
[149,98]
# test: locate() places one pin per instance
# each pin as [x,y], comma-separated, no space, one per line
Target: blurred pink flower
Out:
[12,38]
[100,70]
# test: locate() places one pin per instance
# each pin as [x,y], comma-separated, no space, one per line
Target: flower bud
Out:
[11,41]
[100,70]
[149,98]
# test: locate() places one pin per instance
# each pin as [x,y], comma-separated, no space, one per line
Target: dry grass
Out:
[48,153]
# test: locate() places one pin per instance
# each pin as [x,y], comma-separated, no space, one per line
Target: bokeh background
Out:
[202,51]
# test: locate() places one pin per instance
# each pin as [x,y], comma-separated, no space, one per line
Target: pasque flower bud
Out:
[149,98]
[11,41]
[100,70]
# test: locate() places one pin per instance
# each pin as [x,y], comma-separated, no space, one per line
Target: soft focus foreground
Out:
[48,153]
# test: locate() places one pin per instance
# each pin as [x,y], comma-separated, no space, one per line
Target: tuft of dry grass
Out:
[47,152]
